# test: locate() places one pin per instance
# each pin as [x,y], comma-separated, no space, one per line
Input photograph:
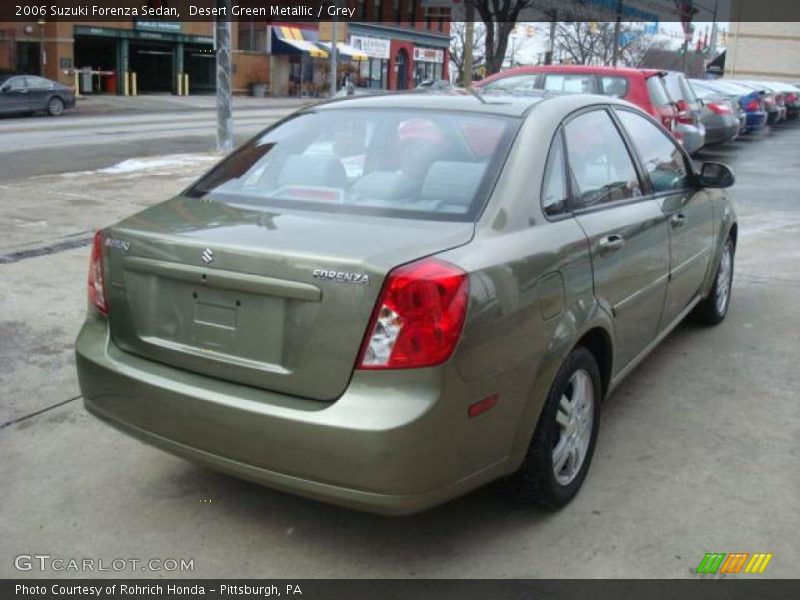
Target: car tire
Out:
[562,431]
[713,309]
[55,106]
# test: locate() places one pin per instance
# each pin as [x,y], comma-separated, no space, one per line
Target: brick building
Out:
[409,44]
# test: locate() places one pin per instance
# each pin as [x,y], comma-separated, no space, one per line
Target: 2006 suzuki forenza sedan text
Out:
[385,302]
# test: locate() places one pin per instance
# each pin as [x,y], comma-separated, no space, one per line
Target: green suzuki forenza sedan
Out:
[385,302]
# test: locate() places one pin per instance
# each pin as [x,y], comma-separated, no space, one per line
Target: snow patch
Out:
[156,165]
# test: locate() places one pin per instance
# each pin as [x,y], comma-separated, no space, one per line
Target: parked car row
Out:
[697,112]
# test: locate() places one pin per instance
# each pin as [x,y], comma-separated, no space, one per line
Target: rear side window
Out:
[614,86]
[572,83]
[384,162]
[662,160]
[657,91]
[513,83]
[38,83]
[600,166]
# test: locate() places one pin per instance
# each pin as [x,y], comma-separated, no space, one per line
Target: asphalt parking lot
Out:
[698,450]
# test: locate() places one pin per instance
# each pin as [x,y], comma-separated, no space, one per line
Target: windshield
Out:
[398,163]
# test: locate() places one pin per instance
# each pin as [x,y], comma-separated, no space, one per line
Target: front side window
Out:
[15,83]
[574,84]
[600,166]
[386,162]
[662,159]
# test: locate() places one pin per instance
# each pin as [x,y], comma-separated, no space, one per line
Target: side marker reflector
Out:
[481,406]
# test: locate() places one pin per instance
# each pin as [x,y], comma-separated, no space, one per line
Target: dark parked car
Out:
[722,117]
[435,85]
[388,301]
[29,94]
[774,102]
[751,101]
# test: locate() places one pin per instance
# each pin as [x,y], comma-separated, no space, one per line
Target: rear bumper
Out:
[386,447]
[756,120]
[721,130]
[693,137]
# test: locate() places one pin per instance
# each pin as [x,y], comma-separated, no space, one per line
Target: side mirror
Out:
[716,175]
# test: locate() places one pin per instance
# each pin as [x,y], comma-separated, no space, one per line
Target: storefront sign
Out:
[431,55]
[372,47]
[167,26]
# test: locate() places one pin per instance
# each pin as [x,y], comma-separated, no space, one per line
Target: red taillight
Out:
[684,114]
[753,106]
[418,317]
[97,288]
[791,97]
[719,108]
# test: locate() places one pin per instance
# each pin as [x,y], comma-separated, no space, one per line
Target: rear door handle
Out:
[611,243]
[678,220]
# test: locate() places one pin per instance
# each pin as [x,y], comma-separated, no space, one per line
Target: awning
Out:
[291,40]
[345,50]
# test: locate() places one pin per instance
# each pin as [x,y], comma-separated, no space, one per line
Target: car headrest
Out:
[453,182]
[322,171]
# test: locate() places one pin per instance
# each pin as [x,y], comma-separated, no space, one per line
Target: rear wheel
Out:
[55,107]
[562,446]
[713,309]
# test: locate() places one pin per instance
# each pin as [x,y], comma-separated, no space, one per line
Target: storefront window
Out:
[428,64]
[372,74]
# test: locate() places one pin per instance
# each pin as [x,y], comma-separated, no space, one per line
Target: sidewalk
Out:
[101,104]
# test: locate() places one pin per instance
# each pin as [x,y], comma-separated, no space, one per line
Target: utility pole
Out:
[713,42]
[551,48]
[224,102]
[617,27]
[334,67]
[469,43]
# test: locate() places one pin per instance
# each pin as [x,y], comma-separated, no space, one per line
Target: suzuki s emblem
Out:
[207,255]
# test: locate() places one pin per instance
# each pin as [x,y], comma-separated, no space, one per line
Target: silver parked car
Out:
[689,127]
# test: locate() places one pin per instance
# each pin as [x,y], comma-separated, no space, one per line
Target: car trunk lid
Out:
[274,299]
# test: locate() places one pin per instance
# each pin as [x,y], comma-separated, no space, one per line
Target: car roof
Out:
[592,69]
[502,103]
[513,105]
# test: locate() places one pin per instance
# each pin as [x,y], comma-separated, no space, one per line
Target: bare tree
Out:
[499,18]
[592,43]
[458,48]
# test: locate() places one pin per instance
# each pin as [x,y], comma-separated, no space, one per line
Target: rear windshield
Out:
[658,93]
[420,164]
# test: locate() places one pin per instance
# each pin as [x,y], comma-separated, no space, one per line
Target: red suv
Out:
[643,87]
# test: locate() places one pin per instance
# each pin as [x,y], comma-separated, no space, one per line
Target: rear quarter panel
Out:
[531,296]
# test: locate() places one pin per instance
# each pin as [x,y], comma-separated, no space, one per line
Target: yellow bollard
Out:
[180,84]
[185,84]
[78,85]
[126,90]
[134,90]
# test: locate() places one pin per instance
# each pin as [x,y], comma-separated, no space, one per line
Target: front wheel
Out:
[561,450]
[713,309]
[55,107]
